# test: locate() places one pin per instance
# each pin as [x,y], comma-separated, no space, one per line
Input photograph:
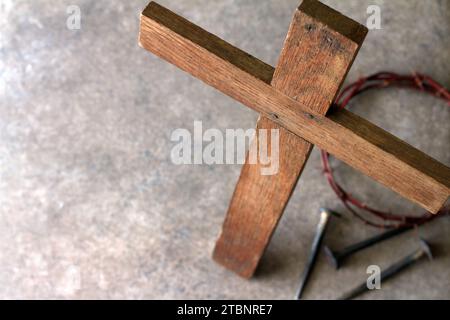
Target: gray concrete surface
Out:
[91,205]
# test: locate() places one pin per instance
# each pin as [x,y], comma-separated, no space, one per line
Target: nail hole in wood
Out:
[310,27]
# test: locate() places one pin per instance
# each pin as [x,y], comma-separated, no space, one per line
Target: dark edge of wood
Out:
[335,20]
[392,145]
[210,42]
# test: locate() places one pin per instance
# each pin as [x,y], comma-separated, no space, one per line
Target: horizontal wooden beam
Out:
[362,145]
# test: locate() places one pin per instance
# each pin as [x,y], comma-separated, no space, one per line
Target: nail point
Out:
[331,257]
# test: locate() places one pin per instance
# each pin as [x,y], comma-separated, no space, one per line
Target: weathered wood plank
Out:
[313,64]
[360,144]
[191,32]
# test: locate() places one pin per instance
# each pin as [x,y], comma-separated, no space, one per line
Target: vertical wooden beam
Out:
[318,52]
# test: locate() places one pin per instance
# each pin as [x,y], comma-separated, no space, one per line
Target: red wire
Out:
[381,80]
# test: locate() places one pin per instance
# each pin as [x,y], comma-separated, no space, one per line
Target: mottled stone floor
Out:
[91,205]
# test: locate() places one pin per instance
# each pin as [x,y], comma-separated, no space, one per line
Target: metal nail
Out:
[337,257]
[325,215]
[423,251]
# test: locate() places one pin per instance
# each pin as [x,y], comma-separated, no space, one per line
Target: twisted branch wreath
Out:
[382,80]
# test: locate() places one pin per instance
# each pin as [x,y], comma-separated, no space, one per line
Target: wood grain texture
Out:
[348,137]
[312,66]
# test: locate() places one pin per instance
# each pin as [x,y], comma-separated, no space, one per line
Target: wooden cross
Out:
[318,52]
